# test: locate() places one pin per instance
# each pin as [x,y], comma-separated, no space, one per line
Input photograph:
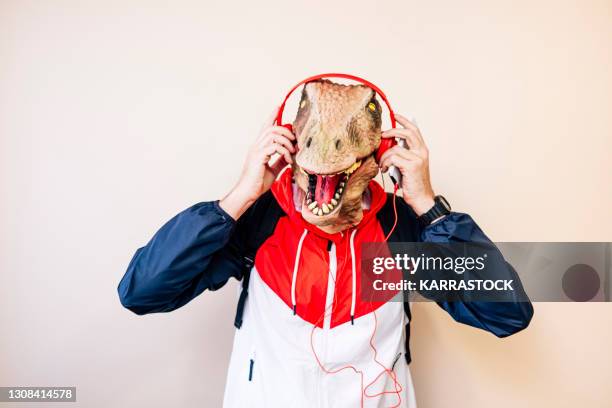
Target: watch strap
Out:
[437,211]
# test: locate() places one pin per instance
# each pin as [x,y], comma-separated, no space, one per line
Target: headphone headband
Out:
[279,116]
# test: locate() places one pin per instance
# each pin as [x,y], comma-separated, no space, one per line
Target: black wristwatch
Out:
[440,208]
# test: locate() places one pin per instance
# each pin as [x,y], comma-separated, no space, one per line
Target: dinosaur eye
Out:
[372,106]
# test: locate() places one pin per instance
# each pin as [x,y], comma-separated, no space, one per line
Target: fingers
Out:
[414,143]
[397,161]
[281,136]
[402,120]
[274,139]
[280,130]
[400,157]
[269,150]
[282,140]
[408,135]
[402,154]
[407,124]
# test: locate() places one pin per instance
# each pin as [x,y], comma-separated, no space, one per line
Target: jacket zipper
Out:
[331,287]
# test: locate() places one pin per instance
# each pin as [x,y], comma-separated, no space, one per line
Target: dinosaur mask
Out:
[338,129]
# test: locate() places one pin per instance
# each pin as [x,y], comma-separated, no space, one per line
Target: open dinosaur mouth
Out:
[325,190]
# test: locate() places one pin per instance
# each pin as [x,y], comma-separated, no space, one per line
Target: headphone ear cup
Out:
[385,144]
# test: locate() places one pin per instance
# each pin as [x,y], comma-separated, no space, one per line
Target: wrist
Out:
[422,205]
[236,202]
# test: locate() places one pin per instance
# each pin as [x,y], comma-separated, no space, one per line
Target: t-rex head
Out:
[338,129]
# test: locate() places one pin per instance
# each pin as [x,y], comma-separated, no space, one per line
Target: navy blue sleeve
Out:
[191,253]
[500,318]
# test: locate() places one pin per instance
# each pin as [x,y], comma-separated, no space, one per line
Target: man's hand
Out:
[258,172]
[413,164]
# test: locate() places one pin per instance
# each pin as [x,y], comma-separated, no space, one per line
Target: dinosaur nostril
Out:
[338,144]
[309,141]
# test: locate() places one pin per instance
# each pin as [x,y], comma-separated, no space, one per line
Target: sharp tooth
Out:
[337,196]
[354,167]
[325,209]
[315,211]
[340,190]
[341,184]
[334,201]
[312,205]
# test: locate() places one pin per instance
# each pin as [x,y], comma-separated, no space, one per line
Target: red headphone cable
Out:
[396,384]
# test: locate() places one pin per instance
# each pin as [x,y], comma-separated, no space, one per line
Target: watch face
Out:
[444,203]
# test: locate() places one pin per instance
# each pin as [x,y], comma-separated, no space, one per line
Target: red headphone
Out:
[385,144]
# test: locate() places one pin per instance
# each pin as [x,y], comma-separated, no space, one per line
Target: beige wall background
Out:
[115,115]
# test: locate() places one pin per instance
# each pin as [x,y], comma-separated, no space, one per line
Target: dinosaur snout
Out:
[337,143]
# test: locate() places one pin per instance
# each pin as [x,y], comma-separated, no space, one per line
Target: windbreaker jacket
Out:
[306,339]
